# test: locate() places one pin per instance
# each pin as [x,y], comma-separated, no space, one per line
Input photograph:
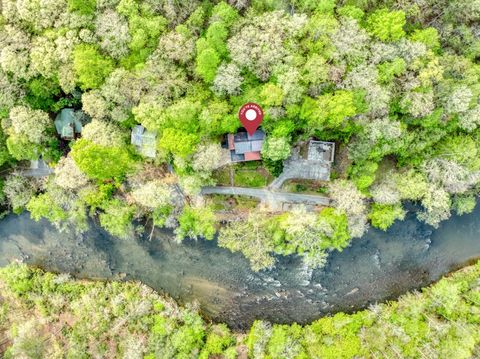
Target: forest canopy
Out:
[394,84]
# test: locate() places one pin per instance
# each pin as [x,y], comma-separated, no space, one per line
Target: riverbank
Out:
[54,316]
[375,268]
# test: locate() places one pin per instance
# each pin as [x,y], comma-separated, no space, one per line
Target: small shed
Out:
[244,147]
[321,151]
[144,141]
[68,124]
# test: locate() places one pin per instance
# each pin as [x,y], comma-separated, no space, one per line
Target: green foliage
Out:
[83,7]
[178,142]
[218,340]
[331,110]
[91,67]
[42,93]
[387,71]
[22,149]
[195,223]
[351,11]
[154,322]
[383,215]
[162,327]
[250,179]
[428,36]
[207,63]
[463,204]
[43,206]
[100,162]
[369,75]
[144,27]
[339,237]
[117,218]
[363,174]
[387,25]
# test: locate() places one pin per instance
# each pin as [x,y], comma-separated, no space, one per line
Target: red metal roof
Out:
[231,142]
[252,156]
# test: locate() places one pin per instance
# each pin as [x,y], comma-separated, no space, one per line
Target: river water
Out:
[374,268]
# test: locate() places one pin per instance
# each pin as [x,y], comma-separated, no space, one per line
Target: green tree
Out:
[207,63]
[178,142]
[43,206]
[84,7]
[383,215]
[21,149]
[91,67]
[144,27]
[387,25]
[276,148]
[196,222]
[101,162]
[117,217]
[331,110]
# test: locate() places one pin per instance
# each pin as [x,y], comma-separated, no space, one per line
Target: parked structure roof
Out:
[244,147]
[67,123]
[144,141]
[320,151]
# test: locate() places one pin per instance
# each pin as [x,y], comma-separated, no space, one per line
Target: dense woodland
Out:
[43,315]
[394,83]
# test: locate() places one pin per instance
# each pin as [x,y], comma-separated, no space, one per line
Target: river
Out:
[377,267]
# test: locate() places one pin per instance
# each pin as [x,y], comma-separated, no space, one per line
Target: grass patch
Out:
[222,176]
[305,186]
[250,179]
[221,202]
[247,174]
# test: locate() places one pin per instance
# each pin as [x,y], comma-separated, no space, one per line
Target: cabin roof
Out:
[144,141]
[244,147]
[67,123]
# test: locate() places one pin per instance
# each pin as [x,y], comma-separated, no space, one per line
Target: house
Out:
[320,151]
[68,123]
[144,141]
[244,147]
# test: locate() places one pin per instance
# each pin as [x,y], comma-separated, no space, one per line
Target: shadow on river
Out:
[377,267]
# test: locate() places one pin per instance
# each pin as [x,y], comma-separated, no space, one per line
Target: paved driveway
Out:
[269,196]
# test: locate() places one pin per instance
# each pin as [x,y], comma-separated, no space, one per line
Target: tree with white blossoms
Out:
[306,230]
[385,191]
[207,158]
[112,30]
[459,100]
[453,177]
[68,175]
[290,81]
[366,77]
[350,41]
[252,238]
[43,55]
[18,190]
[152,194]
[15,53]
[436,204]
[470,120]
[348,199]
[383,128]
[228,80]
[10,91]
[418,104]
[191,184]
[259,45]
[32,124]
[177,46]
[103,133]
